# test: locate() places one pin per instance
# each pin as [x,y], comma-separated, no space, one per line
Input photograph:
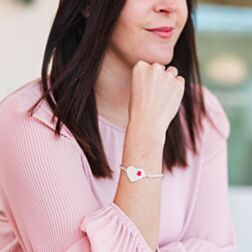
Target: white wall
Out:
[241,204]
[23,33]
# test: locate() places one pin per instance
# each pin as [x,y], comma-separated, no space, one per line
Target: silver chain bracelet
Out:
[134,174]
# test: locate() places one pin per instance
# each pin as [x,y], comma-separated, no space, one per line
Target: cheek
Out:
[124,36]
[130,23]
[127,36]
[183,15]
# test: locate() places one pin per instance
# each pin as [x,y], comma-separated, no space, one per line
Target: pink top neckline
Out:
[110,124]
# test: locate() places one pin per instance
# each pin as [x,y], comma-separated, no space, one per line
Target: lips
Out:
[162,32]
[161,29]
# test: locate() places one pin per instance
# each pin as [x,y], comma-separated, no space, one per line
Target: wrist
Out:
[147,131]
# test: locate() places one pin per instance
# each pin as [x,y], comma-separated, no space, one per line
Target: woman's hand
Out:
[156,95]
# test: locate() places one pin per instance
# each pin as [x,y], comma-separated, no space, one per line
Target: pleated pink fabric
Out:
[50,201]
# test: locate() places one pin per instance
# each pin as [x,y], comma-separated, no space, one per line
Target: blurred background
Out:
[224,42]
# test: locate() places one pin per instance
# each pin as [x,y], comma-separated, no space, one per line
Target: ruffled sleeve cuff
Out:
[110,229]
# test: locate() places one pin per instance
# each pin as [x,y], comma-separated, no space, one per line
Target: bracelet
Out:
[134,173]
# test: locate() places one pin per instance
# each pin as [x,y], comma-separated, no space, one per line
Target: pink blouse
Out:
[50,201]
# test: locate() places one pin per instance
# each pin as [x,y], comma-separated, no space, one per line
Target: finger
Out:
[172,70]
[158,65]
[181,79]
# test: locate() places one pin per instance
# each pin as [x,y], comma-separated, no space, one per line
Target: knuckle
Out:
[169,74]
[157,65]
[181,79]
[141,63]
[172,68]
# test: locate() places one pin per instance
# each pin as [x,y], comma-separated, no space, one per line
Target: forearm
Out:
[141,200]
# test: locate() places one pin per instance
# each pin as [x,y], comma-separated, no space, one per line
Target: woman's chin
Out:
[162,59]
[161,62]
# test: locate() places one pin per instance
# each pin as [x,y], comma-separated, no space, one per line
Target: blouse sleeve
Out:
[211,227]
[47,196]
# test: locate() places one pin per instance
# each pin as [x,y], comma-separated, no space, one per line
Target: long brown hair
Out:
[76,47]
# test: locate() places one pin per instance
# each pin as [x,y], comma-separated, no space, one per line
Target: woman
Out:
[124,92]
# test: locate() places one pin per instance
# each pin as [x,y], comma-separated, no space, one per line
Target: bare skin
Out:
[144,141]
[134,91]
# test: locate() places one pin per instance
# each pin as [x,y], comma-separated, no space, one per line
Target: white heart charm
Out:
[134,173]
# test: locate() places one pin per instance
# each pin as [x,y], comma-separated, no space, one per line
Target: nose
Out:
[165,6]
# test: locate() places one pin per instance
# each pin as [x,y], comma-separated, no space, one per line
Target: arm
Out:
[211,227]
[47,196]
[141,200]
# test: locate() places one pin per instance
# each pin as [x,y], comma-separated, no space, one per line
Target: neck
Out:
[112,90]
